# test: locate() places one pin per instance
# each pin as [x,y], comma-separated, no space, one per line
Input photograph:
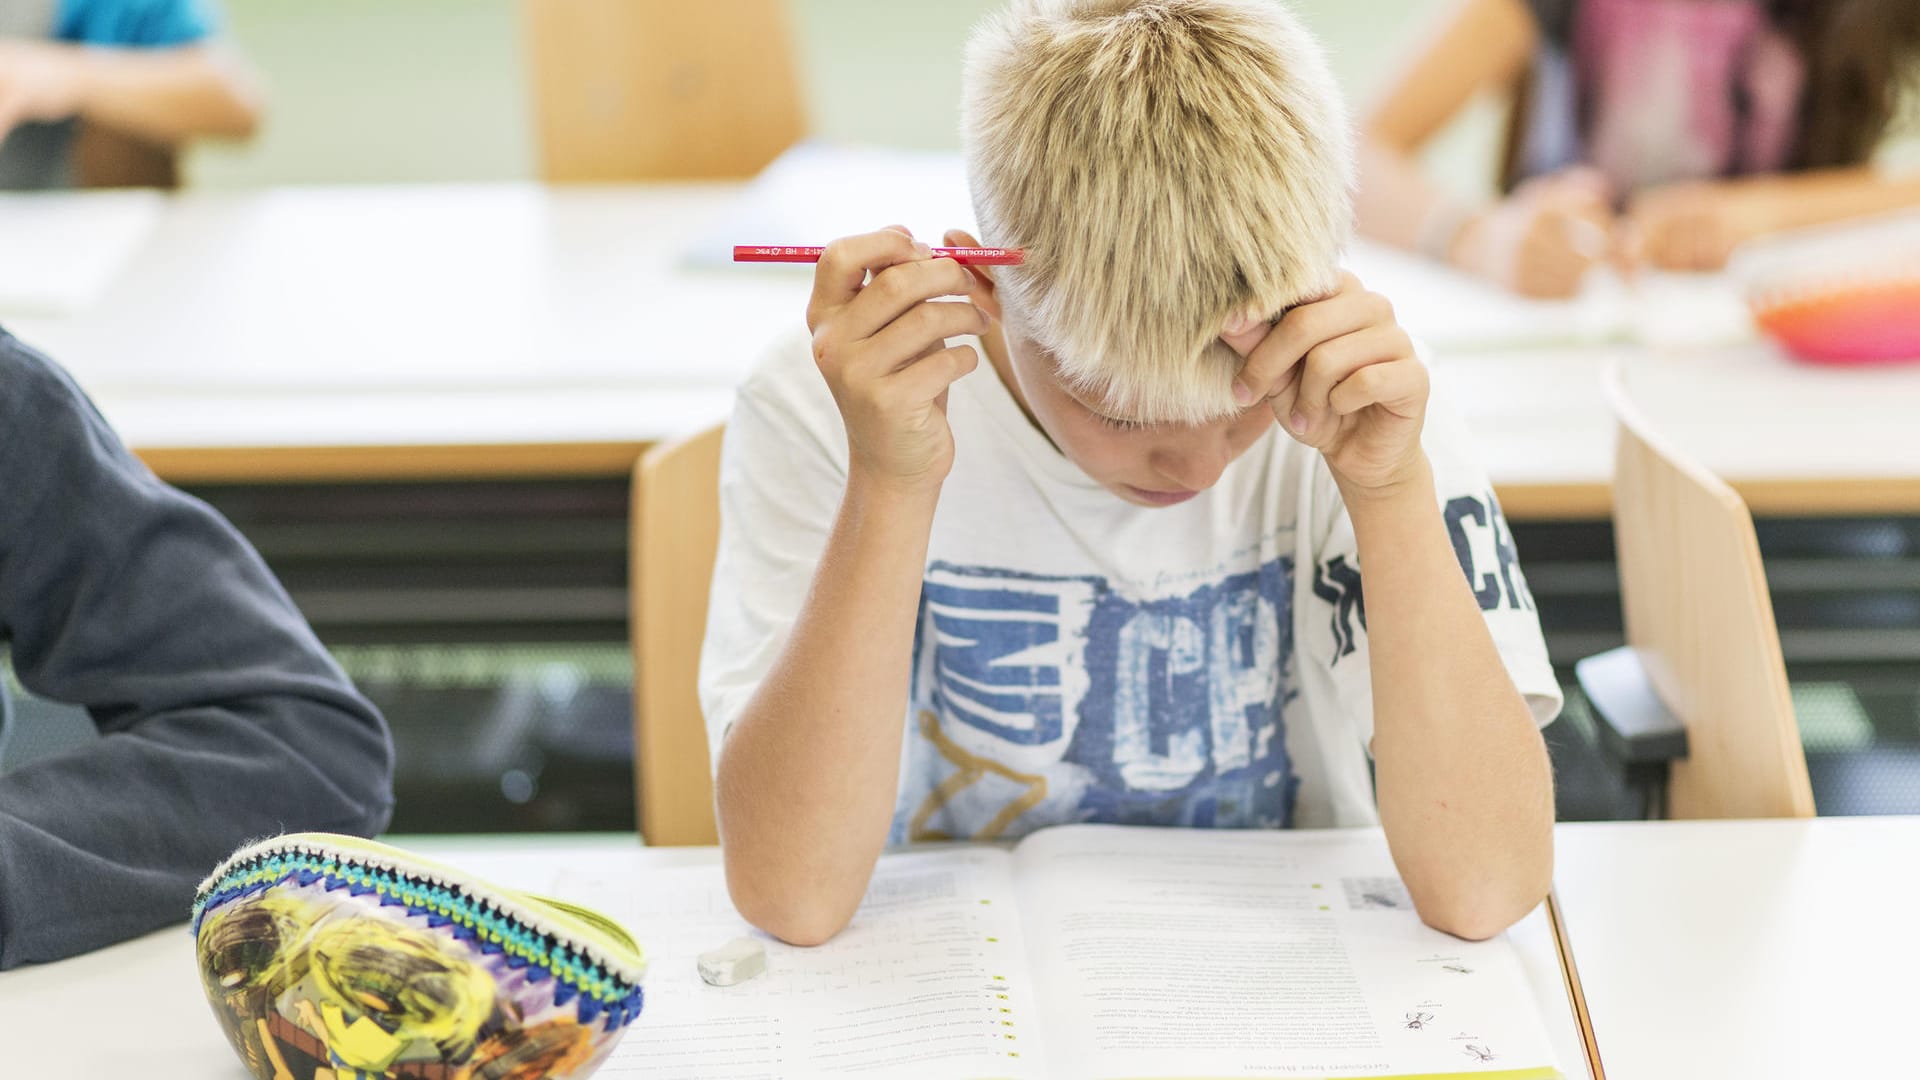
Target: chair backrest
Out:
[1699,617]
[105,158]
[649,90]
[676,527]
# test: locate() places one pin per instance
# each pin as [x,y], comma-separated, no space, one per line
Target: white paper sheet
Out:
[817,192]
[1183,953]
[928,981]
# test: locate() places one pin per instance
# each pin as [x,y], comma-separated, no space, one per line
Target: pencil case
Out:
[330,957]
[1841,295]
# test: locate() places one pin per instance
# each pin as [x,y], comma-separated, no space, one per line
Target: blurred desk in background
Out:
[418,332]
[456,332]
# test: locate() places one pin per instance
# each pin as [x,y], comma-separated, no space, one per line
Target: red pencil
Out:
[965,256]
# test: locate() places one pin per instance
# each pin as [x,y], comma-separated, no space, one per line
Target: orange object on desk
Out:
[1863,323]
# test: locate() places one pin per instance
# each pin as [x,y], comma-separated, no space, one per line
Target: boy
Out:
[1092,582]
[141,75]
[224,719]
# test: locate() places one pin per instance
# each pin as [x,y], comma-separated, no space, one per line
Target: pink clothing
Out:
[1665,90]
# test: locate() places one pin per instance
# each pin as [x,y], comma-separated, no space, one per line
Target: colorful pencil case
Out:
[335,958]
[1841,295]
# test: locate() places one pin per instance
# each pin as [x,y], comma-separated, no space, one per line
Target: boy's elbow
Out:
[1476,914]
[344,743]
[793,915]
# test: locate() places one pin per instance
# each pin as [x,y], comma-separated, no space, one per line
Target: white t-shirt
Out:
[1079,658]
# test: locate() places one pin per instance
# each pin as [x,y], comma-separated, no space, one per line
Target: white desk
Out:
[161,1027]
[419,331]
[1746,949]
[447,331]
[1707,949]
[1791,438]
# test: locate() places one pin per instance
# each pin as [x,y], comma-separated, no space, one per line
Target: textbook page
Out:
[929,980]
[1195,953]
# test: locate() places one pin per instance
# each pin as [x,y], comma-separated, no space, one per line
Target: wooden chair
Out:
[105,158]
[1701,682]
[676,527]
[659,90]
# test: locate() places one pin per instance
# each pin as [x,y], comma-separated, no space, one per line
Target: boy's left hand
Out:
[1341,377]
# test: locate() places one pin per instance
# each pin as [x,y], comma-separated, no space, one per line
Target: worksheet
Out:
[1087,952]
[929,981]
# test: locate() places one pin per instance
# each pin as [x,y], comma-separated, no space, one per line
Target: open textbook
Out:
[1087,951]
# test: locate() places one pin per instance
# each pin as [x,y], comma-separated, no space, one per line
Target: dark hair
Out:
[1861,58]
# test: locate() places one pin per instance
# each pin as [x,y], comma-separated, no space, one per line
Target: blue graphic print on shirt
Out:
[1050,699]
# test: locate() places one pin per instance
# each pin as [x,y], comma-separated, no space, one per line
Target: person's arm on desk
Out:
[223,718]
[808,773]
[163,96]
[1697,225]
[1462,776]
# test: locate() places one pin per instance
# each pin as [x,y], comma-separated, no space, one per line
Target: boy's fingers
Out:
[928,377]
[896,290]
[1244,333]
[1302,328]
[1398,386]
[925,327]
[1332,362]
[843,267]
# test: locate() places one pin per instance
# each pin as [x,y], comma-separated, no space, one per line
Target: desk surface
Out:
[1707,949]
[449,331]
[1746,949]
[162,1028]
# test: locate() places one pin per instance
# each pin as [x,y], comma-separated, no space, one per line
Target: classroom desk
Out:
[1792,439]
[1707,949]
[1746,949]
[504,330]
[160,1027]
[422,332]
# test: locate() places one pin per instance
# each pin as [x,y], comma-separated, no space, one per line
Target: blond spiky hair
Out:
[1167,165]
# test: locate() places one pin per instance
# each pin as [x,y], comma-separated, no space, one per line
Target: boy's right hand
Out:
[881,344]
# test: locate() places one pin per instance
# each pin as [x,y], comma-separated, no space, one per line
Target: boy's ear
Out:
[983,294]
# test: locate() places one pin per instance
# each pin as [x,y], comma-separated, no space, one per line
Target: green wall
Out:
[366,91]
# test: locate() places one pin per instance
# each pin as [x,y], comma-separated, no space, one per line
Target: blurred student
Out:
[1661,132]
[122,82]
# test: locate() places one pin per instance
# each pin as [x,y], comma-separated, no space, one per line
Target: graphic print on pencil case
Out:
[1042,700]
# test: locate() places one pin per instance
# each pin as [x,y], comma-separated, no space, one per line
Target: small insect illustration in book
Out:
[1376,894]
[1418,1020]
[1478,1052]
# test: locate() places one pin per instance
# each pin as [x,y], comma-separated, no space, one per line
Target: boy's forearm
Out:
[167,95]
[1465,787]
[807,777]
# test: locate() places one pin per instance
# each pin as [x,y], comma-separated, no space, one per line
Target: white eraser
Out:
[735,962]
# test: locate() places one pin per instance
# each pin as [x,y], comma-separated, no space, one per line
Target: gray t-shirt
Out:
[224,718]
